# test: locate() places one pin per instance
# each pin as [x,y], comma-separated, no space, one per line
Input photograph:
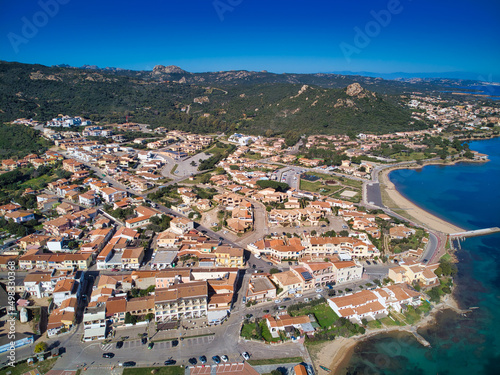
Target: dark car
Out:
[119,344]
[175,343]
[128,364]
[151,344]
[108,355]
[425,260]
[193,361]
[144,340]
[203,359]
[169,362]
[216,359]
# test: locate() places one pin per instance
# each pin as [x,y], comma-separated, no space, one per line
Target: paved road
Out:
[372,199]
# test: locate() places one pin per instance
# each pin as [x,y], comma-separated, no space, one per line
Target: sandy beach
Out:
[420,216]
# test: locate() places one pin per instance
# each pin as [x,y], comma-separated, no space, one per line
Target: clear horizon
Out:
[379,36]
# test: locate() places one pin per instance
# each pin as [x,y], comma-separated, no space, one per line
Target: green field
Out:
[346,181]
[354,199]
[408,157]
[322,312]
[22,368]
[275,361]
[318,187]
[196,179]
[248,330]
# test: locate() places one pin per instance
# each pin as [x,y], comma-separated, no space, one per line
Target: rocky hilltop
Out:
[171,69]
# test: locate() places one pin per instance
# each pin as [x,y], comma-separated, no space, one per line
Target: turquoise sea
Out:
[467,195]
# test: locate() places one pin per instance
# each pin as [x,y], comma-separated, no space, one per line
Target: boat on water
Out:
[325,368]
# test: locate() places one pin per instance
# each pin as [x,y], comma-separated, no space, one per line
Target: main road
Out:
[372,198]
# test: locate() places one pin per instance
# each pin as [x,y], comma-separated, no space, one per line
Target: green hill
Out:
[253,102]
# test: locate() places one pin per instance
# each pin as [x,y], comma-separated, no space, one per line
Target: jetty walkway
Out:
[473,233]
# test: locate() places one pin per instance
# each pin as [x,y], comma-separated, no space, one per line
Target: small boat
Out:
[325,368]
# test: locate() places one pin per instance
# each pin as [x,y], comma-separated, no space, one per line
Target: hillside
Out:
[254,102]
[19,141]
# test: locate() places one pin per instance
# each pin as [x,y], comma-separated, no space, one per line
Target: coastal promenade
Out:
[380,189]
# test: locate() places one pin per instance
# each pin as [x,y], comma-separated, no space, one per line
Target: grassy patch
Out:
[248,330]
[354,199]
[197,179]
[266,334]
[318,187]
[172,171]
[322,312]
[390,322]
[21,368]
[38,183]
[274,361]
[446,258]
[374,324]
[167,370]
[408,157]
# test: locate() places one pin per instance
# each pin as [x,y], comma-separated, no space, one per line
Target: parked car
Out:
[298,295]
[108,355]
[169,362]
[216,359]
[368,262]
[203,359]
[277,301]
[150,346]
[245,355]
[128,364]
[119,345]
[319,290]
[329,286]
[144,340]
[193,361]
[286,299]
[306,299]
[224,358]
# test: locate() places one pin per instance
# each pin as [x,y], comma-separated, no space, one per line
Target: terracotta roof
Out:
[141,303]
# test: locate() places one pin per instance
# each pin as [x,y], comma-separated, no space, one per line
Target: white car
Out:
[298,295]
[306,299]
[319,290]
[245,355]
[224,358]
[277,301]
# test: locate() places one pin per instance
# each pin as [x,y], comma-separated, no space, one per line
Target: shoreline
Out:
[338,353]
[411,209]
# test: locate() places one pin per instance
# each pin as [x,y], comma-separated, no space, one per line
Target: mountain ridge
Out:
[252,102]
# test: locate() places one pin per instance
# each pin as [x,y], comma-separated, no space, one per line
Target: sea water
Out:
[467,195]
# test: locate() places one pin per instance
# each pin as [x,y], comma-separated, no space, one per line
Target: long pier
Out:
[477,232]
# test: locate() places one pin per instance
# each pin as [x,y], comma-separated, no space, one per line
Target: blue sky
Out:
[278,36]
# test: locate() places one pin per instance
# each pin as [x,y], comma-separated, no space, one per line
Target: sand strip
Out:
[418,214]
